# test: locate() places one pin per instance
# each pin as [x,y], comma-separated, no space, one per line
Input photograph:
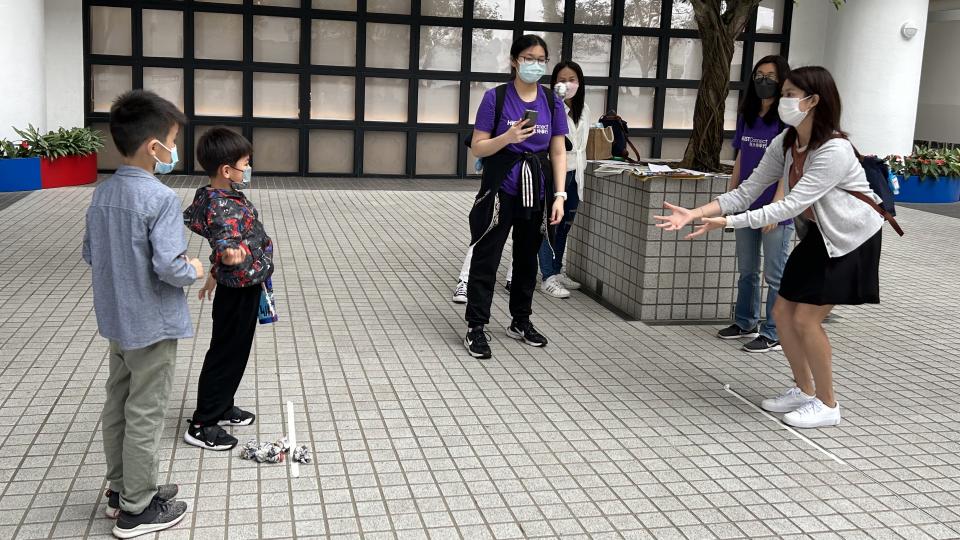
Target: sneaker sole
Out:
[473,354]
[231,423]
[459,299]
[755,335]
[812,425]
[559,296]
[141,530]
[519,337]
[774,348]
[189,439]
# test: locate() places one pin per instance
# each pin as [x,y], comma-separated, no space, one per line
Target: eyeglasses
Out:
[760,77]
[530,61]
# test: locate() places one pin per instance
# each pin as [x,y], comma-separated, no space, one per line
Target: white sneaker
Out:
[460,293]
[553,287]
[813,415]
[788,401]
[567,282]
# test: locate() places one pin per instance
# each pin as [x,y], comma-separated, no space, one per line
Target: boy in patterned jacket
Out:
[242,265]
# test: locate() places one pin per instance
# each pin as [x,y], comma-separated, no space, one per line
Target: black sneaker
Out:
[477,344]
[525,332]
[735,332]
[157,516]
[237,417]
[209,437]
[763,344]
[165,492]
[508,284]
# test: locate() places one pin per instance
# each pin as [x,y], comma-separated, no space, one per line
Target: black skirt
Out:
[812,277]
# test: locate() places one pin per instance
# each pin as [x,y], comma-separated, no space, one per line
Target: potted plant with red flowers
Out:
[66,157]
[928,175]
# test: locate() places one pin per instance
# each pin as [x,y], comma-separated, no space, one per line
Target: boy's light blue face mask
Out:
[247,178]
[166,168]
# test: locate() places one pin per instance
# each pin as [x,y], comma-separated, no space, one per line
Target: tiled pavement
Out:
[615,430]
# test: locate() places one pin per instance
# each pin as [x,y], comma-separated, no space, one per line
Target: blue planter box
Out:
[914,190]
[20,174]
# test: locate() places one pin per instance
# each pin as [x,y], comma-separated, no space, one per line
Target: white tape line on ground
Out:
[784,426]
[292,439]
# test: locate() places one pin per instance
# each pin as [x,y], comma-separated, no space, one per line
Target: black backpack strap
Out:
[501,94]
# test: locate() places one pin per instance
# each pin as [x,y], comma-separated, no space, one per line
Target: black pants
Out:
[486,259]
[234,323]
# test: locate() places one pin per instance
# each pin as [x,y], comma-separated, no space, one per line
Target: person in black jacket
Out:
[522,187]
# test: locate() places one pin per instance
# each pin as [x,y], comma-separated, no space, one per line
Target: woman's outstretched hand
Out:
[707,224]
[679,218]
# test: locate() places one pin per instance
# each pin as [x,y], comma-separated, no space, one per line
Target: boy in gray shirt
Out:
[135,245]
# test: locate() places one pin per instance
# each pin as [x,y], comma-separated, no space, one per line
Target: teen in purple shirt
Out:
[757,124]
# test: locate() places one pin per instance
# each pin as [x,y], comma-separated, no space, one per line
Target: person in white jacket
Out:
[567,81]
[837,260]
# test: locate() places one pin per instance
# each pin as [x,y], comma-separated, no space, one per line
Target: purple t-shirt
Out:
[547,126]
[752,142]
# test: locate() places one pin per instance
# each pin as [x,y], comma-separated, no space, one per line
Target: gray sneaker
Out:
[165,492]
[157,516]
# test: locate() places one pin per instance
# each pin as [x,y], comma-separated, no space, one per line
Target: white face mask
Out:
[790,112]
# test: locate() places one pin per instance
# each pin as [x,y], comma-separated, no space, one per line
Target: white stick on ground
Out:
[292,439]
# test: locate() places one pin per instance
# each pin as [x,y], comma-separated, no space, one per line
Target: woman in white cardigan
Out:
[837,260]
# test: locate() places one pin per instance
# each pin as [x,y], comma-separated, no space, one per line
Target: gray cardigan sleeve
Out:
[826,167]
[769,170]
[169,245]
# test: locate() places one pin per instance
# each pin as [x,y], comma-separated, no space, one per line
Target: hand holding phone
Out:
[531,117]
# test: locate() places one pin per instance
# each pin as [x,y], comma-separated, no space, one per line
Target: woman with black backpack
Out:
[522,187]
[838,258]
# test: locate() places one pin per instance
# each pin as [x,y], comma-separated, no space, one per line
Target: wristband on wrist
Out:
[560,194]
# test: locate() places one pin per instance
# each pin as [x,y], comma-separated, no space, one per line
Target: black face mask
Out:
[765,88]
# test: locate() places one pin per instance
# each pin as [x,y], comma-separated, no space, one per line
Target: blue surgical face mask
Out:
[247,178]
[531,73]
[166,168]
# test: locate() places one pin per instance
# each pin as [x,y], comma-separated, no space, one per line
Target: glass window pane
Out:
[332,97]
[477,89]
[110,31]
[108,83]
[678,108]
[218,93]
[686,59]
[108,157]
[554,41]
[770,17]
[211,41]
[673,148]
[438,102]
[593,12]
[276,95]
[639,57]
[594,52]
[276,150]
[163,33]
[436,153]
[635,105]
[471,163]
[596,99]
[500,10]
[730,110]
[543,11]
[280,3]
[440,47]
[736,63]
[198,132]
[166,82]
[726,151]
[385,100]
[276,39]
[682,16]
[643,13]
[401,7]
[441,8]
[490,50]
[384,153]
[333,43]
[331,151]
[643,144]
[339,5]
[388,45]
[763,48]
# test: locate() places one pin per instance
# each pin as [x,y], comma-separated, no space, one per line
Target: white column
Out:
[877,71]
[22,72]
[64,63]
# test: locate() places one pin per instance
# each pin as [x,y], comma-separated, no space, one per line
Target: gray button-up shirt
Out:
[135,244]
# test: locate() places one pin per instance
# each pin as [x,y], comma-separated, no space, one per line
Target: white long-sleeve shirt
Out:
[578,134]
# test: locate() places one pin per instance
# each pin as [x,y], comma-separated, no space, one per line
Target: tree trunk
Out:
[718,32]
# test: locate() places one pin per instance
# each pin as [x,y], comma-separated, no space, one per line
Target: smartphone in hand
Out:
[531,117]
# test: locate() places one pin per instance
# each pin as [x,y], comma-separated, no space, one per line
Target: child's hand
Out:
[197,265]
[232,256]
[208,287]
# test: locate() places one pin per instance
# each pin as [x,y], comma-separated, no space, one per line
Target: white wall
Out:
[64,63]
[808,32]
[938,113]
[22,85]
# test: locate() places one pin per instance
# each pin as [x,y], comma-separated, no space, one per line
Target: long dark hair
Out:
[576,104]
[815,80]
[523,43]
[751,103]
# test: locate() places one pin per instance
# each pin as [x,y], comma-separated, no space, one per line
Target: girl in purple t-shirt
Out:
[757,124]
[523,182]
